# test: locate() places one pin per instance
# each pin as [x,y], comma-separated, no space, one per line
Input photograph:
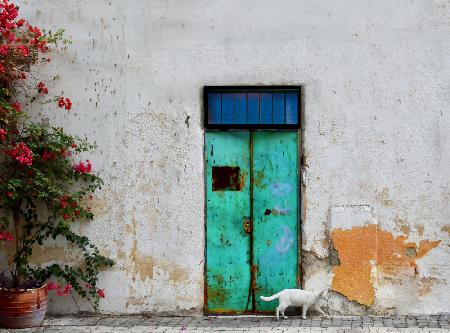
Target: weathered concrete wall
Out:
[376,78]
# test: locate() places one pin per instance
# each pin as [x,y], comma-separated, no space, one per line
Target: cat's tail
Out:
[270,298]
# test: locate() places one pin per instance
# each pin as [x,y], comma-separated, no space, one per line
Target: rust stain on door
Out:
[227,178]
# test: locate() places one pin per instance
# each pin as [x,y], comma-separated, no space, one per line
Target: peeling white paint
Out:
[348,217]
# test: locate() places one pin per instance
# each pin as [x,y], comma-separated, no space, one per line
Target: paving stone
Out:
[138,324]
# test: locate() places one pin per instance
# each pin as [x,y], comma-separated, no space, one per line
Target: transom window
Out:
[262,107]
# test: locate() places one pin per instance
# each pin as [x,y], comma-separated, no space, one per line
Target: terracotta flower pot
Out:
[21,308]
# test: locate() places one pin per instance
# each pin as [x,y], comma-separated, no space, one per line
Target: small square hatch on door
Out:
[226,178]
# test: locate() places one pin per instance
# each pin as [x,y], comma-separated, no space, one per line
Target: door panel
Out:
[275,193]
[228,204]
[250,175]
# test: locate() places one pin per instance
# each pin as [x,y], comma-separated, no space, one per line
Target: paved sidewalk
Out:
[99,324]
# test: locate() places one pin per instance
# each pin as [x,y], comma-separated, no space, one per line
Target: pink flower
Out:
[47,155]
[65,153]
[16,106]
[2,134]
[42,89]
[35,30]
[82,168]
[20,22]
[101,293]
[65,103]
[64,200]
[68,104]
[21,153]
[5,236]
[60,293]
[61,102]
[4,49]
[9,11]
[65,291]
[52,286]
[23,50]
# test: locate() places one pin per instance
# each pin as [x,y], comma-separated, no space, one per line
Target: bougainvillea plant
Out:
[44,184]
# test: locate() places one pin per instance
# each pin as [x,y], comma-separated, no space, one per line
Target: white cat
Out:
[297,297]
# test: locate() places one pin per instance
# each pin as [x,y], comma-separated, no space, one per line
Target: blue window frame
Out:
[252,107]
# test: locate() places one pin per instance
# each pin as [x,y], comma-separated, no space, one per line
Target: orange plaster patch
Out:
[352,278]
[360,247]
[425,246]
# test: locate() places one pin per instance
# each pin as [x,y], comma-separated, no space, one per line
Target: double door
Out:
[252,202]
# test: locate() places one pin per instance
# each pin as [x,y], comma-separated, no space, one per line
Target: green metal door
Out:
[252,218]
[228,204]
[275,201]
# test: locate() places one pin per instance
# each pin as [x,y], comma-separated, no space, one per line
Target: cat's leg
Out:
[304,309]
[282,313]
[318,309]
[277,312]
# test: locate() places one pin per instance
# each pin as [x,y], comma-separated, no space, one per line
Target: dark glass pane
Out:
[253,108]
[214,109]
[227,108]
[240,110]
[291,108]
[278,109]
[266,109]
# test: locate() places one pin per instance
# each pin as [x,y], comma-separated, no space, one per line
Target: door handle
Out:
[247,225]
